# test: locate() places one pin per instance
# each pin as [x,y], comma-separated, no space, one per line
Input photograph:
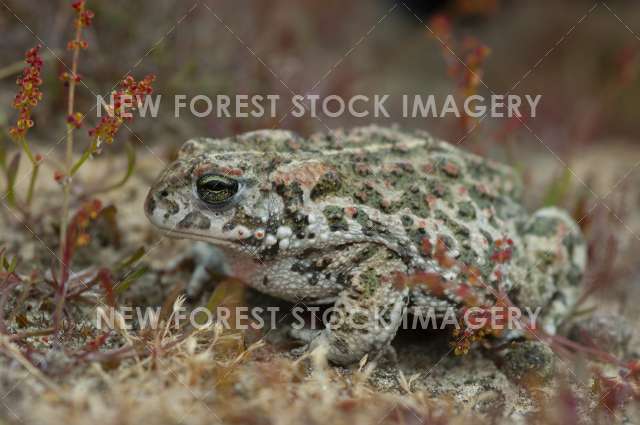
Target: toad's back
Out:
[407,191]
[404,189]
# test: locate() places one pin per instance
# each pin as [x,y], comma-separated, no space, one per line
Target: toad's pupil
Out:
[217,186]
[216,189]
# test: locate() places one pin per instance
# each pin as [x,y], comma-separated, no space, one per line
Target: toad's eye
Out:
[215,189]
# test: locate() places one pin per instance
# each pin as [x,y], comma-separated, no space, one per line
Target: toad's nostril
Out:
[164,194]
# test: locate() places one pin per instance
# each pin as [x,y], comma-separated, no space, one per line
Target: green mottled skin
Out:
[331,218]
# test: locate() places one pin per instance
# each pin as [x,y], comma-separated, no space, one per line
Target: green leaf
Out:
[12,172]
[558,189]
[85,155]
[227,292]
[130,279]
[13,264]
[9,266]
[132,259]
[27,151]
[218,296]
[131,164]
[216,299]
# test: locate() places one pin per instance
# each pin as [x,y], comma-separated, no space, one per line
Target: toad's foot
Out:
[528,362]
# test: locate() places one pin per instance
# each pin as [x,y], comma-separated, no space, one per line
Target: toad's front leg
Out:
[367,314]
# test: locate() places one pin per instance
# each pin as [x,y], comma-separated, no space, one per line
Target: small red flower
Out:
[440,27]
[125,99]
[78,5]
[58,176]
[75,119]
[77,44]
[66,77]
[83,19]
[84,16]
[29,93]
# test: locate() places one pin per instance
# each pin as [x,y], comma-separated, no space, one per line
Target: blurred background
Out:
[581,56]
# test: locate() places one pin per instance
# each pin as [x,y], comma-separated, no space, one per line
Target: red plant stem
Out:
[106,281]
[81,289]
[600,354]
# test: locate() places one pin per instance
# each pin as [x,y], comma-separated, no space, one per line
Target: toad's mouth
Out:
[184,234]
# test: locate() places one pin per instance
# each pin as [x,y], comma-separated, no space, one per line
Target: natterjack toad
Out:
[337,218]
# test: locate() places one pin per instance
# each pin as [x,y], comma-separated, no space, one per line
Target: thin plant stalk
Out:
[64,270]
[32,182]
